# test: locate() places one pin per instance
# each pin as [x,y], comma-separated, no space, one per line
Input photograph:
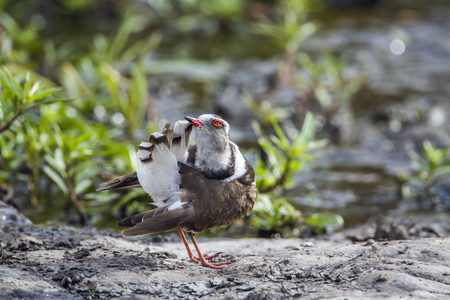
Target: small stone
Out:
[403,251]
[76,279]
[382,278]
[82,253]
[369,243]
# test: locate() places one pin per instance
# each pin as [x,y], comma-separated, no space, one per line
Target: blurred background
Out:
[342,106]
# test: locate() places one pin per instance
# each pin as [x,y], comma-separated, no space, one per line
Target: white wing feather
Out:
[158,175]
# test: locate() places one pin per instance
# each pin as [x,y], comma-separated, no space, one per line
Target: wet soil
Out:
[64,262]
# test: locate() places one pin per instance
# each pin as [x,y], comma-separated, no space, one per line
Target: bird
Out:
[207,185]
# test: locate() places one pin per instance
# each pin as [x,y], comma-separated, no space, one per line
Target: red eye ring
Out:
[217,123]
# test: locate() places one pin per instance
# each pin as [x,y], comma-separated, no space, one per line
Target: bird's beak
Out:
[193,121]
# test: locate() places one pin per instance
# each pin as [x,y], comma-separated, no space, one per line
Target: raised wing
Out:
[158,171]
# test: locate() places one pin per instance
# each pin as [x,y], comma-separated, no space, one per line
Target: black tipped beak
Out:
[193,121]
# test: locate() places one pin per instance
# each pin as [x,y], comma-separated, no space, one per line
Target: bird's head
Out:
[211,131]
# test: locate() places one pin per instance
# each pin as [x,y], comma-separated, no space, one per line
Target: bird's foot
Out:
[196,259]
[200,257]
[213,256]
[215,265]
[212,265]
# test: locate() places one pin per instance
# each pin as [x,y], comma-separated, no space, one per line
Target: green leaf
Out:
[284,141]
[324,97]
[308,130]
[56,179]
[443,170]
[435,156]
[57,162]
[36,86]
[82,186]
[10,81]
[323,220]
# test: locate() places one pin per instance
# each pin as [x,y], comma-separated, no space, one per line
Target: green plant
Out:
[70,164]
[433,166]
[132,101]
[289,33]
[31,148]
[43,135]
[63,141]
[19,44]
[427,171]
[285,157]
[282,157]
[117,48]
[10,163]
[20,100]
[321,221]
[324,80]
[18,96]
[280,217]
[115,71]
[277,216]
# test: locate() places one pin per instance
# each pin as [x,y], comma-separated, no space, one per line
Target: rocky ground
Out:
[68,263]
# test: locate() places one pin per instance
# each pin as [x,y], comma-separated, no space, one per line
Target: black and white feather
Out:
[158,163]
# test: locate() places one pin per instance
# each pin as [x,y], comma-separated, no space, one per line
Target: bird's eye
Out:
[217,123]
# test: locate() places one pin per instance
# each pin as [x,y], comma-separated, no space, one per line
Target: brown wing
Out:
[207,203]
[129,180]
[158,220]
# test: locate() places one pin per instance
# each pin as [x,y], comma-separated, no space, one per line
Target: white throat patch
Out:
[239,164]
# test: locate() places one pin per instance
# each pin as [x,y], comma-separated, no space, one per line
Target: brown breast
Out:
[216,203]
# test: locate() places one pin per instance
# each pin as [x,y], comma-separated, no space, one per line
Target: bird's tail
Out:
[129,180]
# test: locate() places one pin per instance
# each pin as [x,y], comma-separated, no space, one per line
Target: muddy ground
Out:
[67,263]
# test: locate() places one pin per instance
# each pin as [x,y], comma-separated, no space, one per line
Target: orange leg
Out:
[202,259]
[191,255]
